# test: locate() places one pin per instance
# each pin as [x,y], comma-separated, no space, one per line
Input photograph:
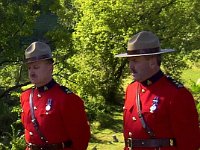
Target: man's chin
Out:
[134,77]
[33,81]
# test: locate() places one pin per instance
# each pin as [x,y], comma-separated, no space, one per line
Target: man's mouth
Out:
[33,75]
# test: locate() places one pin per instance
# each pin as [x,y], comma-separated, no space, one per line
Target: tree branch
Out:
[8,61]
[13,88]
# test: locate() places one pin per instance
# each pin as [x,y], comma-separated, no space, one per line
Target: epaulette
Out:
[176,83]
[27,87]
[66,90]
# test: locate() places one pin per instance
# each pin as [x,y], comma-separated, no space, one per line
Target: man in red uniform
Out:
[159,113]
[53,117]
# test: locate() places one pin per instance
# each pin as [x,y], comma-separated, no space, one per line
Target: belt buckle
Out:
[63,145]
[130,143]
[171,142]
[29,145]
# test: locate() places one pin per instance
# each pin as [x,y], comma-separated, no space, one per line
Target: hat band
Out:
[47,56]
[144,51]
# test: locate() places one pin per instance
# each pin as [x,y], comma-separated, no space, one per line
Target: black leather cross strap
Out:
[57,146]
[33,119]
[144,124]
[151,143]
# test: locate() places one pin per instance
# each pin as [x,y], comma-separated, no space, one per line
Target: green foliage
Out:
[11,129]
[103,129]
[16,20]
[15,139]
[94,108]
[193,58]
[5,117]
[195,88]
[102,30]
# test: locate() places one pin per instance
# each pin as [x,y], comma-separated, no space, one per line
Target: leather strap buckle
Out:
[130,143]
[171,142]
[63,145]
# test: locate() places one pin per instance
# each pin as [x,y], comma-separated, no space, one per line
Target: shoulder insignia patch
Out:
[176,83]
[66,90]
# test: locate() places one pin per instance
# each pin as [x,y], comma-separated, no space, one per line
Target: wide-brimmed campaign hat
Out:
[37,51]
[144,43]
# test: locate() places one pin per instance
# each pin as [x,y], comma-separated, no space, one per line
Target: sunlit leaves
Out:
[104,27]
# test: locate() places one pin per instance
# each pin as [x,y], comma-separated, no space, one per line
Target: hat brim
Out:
[145,54]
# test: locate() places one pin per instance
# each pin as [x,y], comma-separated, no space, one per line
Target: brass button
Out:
[130,134]
[143,90]
[31,133]
[134,119]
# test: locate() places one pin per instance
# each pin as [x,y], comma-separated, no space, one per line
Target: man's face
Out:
[40,72]
[141,67]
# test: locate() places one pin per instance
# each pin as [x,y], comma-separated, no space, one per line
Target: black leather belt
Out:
[58,146]
[131,143]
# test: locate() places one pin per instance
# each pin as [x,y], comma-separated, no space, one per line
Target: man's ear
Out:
[153,62]
[50,67]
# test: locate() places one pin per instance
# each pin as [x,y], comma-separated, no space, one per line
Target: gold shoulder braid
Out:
[27,87]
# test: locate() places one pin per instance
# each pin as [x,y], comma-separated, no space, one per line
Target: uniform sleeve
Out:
[22,105]
[21,99]
[75,122]
[184,119]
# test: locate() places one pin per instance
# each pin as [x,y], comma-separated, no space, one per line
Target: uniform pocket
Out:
[149,117]
[48,116]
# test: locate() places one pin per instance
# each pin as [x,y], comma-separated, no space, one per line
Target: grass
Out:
[190,75]
[104,140]
[103,132]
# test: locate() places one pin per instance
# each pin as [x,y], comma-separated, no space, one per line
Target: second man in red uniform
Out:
[159,113]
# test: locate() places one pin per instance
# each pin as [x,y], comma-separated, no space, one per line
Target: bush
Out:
[195,88]
[13,141]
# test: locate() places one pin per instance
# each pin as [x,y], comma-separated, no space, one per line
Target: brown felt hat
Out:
[144,43]
[37,51]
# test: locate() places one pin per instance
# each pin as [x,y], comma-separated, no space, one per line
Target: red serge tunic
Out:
[175,115]
[64,120]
